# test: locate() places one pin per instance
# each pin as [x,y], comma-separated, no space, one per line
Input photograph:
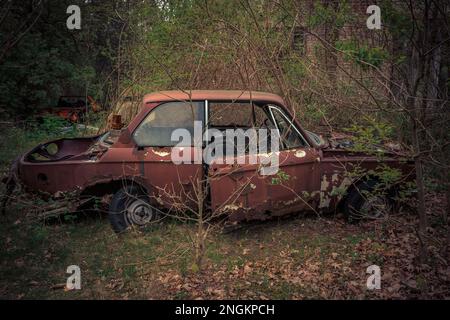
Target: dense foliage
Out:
[377,87]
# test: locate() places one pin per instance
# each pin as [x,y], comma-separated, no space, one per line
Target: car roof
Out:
[213,95]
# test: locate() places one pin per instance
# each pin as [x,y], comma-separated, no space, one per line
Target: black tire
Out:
[362,204]
[126,207]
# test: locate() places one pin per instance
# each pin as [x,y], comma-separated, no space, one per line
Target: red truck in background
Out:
[73,108]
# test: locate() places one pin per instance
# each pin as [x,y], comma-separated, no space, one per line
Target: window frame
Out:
[262,106]
[202,112]
[291,123]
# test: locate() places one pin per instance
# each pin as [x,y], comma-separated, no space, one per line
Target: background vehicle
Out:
[73,108]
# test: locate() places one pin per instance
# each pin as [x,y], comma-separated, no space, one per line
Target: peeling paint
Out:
[324,198]
[324,184]
[300,154]
[315,194]
[161,153]
[334,177]
[231,207]
[269,154]
[293,201]
[343,186]
[346,182]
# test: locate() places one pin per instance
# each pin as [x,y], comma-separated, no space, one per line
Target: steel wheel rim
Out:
[139,212]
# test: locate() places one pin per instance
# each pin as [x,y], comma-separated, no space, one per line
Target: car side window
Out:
[224,116]
[156,129]
[289,135]
[235,115]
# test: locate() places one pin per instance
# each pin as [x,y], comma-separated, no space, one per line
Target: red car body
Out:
[101,164]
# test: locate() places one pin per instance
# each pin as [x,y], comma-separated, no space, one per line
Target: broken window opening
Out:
[290,136]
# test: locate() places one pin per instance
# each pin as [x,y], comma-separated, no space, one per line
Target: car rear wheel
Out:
[130,206]
[366,203]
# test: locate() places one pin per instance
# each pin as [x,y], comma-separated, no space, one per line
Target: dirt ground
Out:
[300,257]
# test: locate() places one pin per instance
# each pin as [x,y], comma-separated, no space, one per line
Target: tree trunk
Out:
[421,196]
[447,219]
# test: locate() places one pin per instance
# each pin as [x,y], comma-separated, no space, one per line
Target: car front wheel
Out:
[130,206]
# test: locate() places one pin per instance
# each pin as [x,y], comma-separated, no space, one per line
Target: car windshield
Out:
[316,138]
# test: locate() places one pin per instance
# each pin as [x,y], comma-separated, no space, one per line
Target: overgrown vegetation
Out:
[379,86]
[293,258]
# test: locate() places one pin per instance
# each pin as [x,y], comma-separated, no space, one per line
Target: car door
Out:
[158,137]
[296,186]
[243,191]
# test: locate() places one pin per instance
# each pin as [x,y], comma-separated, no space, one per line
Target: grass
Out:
[291,258]
[297,257]
[113,266]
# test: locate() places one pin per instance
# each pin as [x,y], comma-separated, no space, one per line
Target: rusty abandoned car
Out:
[134,164]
